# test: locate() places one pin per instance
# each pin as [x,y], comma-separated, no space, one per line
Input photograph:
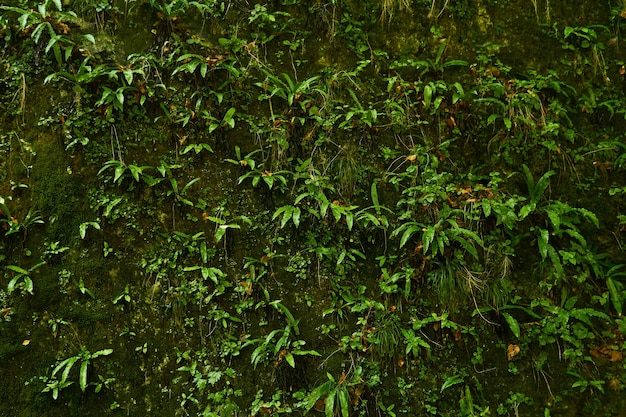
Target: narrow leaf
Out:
[83,375]
[513,324]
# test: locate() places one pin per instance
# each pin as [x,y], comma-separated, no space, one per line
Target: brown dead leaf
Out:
[606,352]
[616,356]
[512,351]
[457,335]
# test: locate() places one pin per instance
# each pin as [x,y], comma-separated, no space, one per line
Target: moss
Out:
[57,193]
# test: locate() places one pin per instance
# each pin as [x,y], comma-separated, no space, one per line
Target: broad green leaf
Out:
[288,212]
[541,186]
[467,246]
[68,367]
[428,95]
[290,360]
[188,185]
[119,95]
[296,216]
[486,205]
[344,401]
[554,216]
[374,193]
[83,375]
[17,269]
[349,220]
[616,298]
[12,284]
[306,352]
[428,237]
[542,242]
[119,171]
[451,381]
[526,210]
[83,228]
[219,233]
[203,252]
[589,216]
[330,405]
[513,324]
[128,76]
[410,231]
[228,117]
[319,392]
[135,171]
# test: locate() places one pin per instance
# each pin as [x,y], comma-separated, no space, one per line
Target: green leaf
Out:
[83,228]
[228,118]
[12,284]
[408,233]
[68,367]
[428,95]
[616,299]
[554,215]
[128,76]
[349,220]
[286,211]
[467,246]
[83,375]
[330,406]
[188,185]
[451,381]
[542,242]
[492,118]
[203,252]
[541,186]
[119,171]
[526,210]
[319,392]
[17,269]
[135,171]
[344,401]
[428,237]
[296,216]
[513,324]
[486,205]
[290,360]
[374,193]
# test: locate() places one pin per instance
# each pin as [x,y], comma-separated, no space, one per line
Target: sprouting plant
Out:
[583,384]
[43,24]
[223,225]
[292,92]
[535,190]
[82,228]
[13,224]
[435,238]
[335,393]
[60,377]
[256,174]
[123,297]
[21,278]
[192,62]
[615,278]
[562,226]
